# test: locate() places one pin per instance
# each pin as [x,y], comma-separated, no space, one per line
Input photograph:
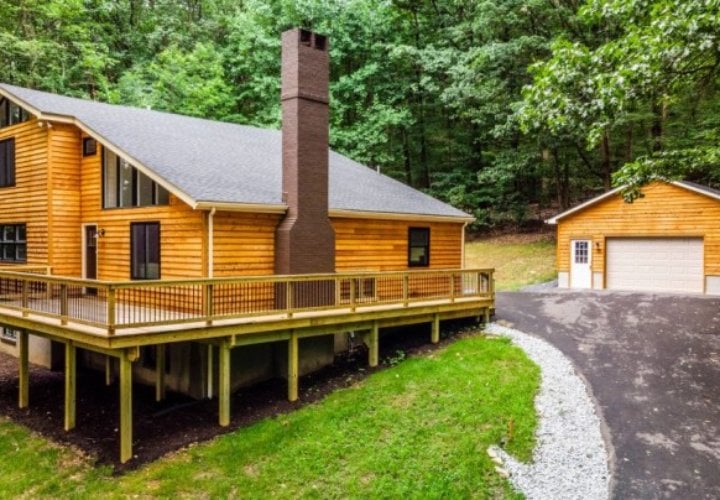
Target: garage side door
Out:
[655,264]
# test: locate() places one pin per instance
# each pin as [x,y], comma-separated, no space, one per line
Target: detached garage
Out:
[666,241]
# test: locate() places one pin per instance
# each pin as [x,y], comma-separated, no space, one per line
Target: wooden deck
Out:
[117,318]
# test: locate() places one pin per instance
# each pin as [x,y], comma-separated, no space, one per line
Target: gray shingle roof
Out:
[700,187]
[216,162]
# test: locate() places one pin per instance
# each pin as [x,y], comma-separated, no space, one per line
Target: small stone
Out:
[492,453]
[502,472]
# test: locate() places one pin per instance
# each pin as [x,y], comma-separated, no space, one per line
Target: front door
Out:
[91,234]
[580,260]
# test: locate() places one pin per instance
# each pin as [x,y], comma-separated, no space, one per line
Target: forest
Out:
[508,109]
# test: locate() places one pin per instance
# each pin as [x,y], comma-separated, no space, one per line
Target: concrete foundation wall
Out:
[188,364]
[40,350]
[712,285]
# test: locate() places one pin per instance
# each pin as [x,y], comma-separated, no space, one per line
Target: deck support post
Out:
[293,355]
[24,373]
[126,426]
[224,383]
[435,335]
[70,385]
[210,372]
[108,370]
[486,315]
[374,345]
[160,372]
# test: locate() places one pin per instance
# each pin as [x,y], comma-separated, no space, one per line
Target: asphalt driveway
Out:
[653,363]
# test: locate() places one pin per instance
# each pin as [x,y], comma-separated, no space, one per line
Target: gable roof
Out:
[216,164]
[690,186]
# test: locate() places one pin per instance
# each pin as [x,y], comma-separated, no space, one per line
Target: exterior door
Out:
[91,235]
[580,260]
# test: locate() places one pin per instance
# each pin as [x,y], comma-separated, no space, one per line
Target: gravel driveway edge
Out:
[571,459]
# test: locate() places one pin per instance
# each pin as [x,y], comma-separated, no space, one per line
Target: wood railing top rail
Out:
[116,305]
[19,274]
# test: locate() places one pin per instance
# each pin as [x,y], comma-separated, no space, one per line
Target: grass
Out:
[418,429]
[519,260]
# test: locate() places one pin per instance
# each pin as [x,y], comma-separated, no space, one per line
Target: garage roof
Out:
[690,186]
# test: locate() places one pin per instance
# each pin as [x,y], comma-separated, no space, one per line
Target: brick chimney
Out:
[305,239]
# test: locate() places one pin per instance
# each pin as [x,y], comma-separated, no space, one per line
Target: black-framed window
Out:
[89,146]
[125,187]
[9,335]
[145,250]
[11,113]
[419,247]
[7,162]
[13,243]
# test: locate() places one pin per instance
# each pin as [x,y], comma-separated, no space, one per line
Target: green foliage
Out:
[661,56]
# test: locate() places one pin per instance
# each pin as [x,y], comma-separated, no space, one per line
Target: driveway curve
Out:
[653,363]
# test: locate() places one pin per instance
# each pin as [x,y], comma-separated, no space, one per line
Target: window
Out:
[9,335]
[13,243]
[7,163]
[11,113]
[89,146]
[581,252]
[145,250]
[124,186]
[419,247]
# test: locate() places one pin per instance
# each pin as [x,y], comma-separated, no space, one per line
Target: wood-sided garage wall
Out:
[665,210]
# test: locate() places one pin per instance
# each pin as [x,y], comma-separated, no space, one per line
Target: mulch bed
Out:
[160,428]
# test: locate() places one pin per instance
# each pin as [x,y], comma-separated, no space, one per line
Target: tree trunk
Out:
[606,165]
[659,112]
[406,158]
[562,178]
[629,143]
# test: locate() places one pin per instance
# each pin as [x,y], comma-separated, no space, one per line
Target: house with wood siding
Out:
[200,256]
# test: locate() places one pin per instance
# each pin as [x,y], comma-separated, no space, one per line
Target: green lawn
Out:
[418,429]
[518,260]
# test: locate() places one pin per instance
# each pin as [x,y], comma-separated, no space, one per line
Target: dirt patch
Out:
[518,238]
[179,421]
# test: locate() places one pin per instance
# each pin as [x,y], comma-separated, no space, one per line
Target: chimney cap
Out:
[309,38]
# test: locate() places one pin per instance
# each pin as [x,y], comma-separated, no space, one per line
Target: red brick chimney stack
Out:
[305,239]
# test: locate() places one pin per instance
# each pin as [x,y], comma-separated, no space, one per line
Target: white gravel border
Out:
[571,459]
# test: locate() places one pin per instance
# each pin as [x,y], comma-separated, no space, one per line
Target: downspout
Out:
[462,251]
[211,246]
[210,273]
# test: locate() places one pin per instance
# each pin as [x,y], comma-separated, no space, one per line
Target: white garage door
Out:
[655,264]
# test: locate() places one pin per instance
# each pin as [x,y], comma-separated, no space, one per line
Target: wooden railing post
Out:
[209,303]
[289,295]
[111,310]
[63,304]
[353,293]
[452,287]
[25,293]
[406,288]
[337,292]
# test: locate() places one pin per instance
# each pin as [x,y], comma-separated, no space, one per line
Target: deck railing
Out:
[120,305]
